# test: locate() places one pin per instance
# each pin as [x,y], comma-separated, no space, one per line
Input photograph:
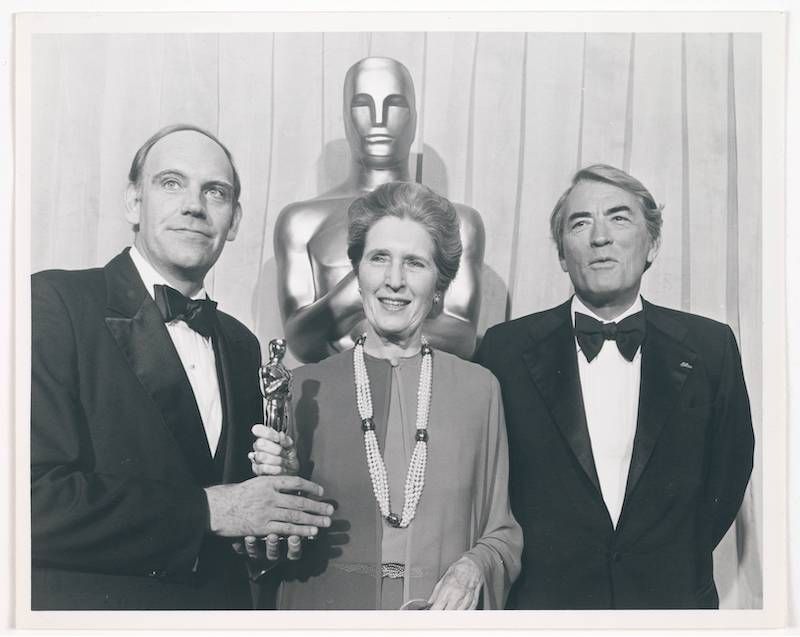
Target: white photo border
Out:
[771,25]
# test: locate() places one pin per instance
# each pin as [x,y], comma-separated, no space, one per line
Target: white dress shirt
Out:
[610,387]
[196,353]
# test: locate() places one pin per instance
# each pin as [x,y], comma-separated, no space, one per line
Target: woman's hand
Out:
[273,453]
[459,587]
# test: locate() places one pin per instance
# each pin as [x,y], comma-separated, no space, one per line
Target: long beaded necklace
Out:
[415,478]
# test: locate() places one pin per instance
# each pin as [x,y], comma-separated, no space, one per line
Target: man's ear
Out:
[237,218]
[133,204]
[563,263]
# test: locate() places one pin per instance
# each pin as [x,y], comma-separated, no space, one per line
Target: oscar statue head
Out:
[379,112]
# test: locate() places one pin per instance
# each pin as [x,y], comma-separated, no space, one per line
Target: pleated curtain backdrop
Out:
[504,120]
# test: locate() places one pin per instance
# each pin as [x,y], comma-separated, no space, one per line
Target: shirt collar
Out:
[579,306]
[151,277]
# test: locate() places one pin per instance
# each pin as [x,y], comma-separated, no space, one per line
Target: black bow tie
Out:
[591,334]
[196,313]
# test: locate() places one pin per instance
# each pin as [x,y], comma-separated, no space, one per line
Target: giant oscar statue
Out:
[320,305]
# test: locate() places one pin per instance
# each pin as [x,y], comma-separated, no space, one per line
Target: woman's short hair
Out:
[408,200]
[614,176]
[137,165]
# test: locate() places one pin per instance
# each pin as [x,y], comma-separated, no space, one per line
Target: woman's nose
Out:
[394,275]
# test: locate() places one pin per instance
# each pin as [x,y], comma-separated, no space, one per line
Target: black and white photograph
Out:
[379,312]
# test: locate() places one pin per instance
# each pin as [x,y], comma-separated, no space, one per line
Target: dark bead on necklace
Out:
[422,435]
[367,424]
[393,519]
[426,349]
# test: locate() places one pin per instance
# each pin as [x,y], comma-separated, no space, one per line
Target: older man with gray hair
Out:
[629,459]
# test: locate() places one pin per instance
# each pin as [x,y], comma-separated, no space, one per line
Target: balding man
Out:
[142,399]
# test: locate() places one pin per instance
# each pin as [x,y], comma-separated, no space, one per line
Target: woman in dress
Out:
[409,443]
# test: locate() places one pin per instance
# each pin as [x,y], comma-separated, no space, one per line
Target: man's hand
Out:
[459,587]
[252,547]
[273,453]
[269,548]
[267,504]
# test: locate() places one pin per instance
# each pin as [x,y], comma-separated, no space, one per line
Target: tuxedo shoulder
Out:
[518,327]
[711,340]
[68,284]
[696,326]
[68,277]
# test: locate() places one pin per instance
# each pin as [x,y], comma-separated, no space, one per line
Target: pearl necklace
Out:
[415,478]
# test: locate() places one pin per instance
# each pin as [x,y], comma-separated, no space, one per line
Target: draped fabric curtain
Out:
[504,120]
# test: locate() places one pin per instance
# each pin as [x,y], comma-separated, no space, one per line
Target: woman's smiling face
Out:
[397,277]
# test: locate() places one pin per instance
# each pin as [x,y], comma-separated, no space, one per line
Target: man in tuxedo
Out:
[142,402]
[629,458]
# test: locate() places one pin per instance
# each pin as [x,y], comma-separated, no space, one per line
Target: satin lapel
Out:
[135,323]
[553,366]
[666,364]
[233,441]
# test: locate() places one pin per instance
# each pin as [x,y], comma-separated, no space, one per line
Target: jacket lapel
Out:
[553,365]
[234,441]
[136,324]
[666,364]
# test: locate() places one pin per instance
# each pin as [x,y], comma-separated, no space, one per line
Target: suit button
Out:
[616,557]
[156,573]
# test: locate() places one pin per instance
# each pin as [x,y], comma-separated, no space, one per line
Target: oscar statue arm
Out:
[453,325]
[312,325]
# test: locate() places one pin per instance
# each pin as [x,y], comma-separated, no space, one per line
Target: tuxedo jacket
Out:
[691,461]
[119,455]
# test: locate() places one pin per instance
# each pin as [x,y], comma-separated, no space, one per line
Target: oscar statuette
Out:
[276,388]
